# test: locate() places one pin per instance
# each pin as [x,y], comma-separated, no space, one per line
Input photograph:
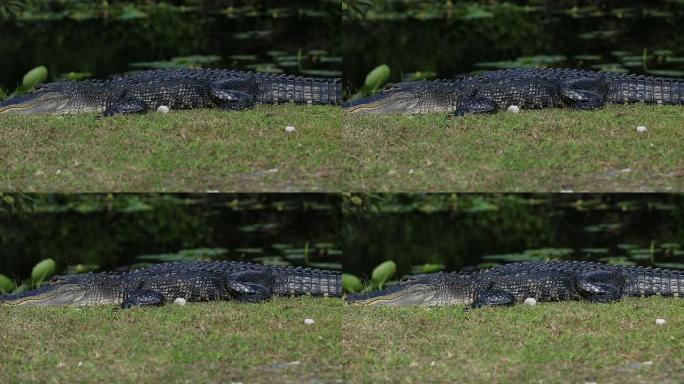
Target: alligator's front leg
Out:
[234,94]
[600,286]
[584,93]
[141,297]
[477,104]
[251,286]
[125,105]
[493,298]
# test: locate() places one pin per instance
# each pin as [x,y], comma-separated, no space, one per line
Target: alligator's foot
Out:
[141,297]
[125,105]
[584,93]
[477,105]
[234,94]
[251,286]
[237,101]
[601,286]
[493,298]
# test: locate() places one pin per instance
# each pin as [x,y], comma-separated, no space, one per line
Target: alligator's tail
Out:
[642,281]
[652,90]
[307,281]
[303,90]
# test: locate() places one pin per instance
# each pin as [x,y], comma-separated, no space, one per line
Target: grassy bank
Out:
[180,151]
[200,342]
[573,342]
[550,150]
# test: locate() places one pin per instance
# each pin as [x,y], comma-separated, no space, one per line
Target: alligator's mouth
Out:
[387,101]
[406,293]
[53,294]
[37,102]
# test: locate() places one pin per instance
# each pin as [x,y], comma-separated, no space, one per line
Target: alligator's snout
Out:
[396,98]
[405,293]
[57,292]
[372,103]
[18,104]
[36,102]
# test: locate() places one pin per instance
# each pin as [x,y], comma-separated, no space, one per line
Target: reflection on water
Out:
[109,232]
[462,231]
[300,41]
[634,36]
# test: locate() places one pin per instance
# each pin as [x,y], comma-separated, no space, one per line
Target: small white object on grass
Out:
[290,129]
[513,109]
[309,321]
[642,129]
[163,109]
[180,301]
[530,301]
[661,321]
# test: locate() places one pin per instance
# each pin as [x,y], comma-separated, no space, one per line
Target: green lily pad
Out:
[670,265]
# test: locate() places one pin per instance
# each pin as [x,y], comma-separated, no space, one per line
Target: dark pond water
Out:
[472,230]
[299,40]
[112,232]
[633,36]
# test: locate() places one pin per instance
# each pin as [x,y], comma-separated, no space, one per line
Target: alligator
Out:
[175,89]
[541,280]
[191,280]
[531,88]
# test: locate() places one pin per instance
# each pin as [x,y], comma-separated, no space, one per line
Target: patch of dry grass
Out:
[572,342]
[544,151]
[202,342]
[182,151]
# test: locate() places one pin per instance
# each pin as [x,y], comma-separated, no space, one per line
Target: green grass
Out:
[549,150]
[201,342]
[181,151]
[572,342]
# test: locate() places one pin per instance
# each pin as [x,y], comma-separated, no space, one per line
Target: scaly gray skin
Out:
[193,281]
[513,283]
[526,88]
[176,89]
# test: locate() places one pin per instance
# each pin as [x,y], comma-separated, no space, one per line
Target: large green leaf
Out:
[43,270]
[351,283]
[384,272]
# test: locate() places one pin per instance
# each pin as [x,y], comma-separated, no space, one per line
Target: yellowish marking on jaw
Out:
[364,107]
[13,107]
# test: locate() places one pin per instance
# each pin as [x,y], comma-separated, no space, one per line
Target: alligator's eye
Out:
[54,279]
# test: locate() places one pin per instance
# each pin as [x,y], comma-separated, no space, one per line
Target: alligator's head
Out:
[396,98]
[41,101]
[416,290]
[57,98]
[61,290]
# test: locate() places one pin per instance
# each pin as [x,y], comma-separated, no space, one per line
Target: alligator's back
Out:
[176,89]
[288,281]
[192,280]
[545,281]
[622,88]
[272,88]
[636,280]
